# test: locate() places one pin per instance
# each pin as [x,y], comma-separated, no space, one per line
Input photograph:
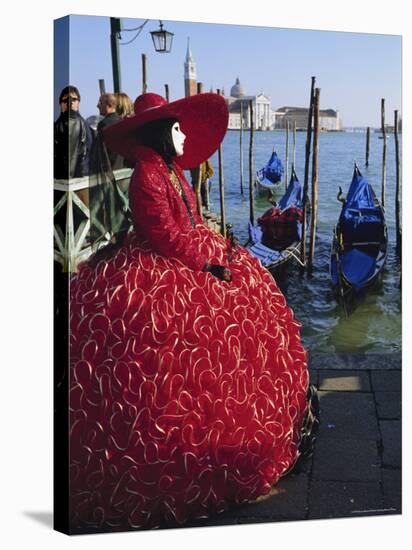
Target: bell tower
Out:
[190,72]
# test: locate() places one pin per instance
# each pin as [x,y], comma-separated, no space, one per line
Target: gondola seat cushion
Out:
[357,267]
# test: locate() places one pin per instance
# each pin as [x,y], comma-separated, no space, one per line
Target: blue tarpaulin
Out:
[273,171]
[361,219]
[293,195]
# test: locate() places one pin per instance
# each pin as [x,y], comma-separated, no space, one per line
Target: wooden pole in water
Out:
[398,188]
[383,152]
[368,140]
[306,179]
[167,92]
[313,220]
[221,189]
[251,179]
[144,74]
[294,143]
[241,147]
[287,155]
[102,87]
[198,182]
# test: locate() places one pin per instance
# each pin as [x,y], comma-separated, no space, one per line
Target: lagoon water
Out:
[375,326]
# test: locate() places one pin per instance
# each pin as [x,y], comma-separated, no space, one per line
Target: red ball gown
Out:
[187,393]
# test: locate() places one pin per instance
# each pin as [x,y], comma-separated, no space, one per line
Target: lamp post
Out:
[114,43]
[162,41]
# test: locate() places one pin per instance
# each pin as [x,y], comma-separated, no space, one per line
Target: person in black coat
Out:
[72,137]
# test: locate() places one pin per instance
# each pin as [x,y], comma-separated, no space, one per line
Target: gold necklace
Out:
[175,182]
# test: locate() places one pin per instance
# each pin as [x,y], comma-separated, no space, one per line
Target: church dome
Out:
[237,90]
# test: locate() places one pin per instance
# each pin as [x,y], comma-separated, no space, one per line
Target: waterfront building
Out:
[263,114]
[329,119]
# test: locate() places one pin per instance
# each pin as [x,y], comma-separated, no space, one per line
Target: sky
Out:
[353,70]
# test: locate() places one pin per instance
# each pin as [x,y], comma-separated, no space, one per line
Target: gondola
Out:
[283,240]
[360,243]
[269,177]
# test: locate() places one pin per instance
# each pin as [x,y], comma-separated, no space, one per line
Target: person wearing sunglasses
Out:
[72,137]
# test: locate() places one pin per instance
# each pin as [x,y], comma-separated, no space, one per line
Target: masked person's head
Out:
[165,137]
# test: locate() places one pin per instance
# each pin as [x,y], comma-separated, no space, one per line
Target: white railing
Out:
[72,243]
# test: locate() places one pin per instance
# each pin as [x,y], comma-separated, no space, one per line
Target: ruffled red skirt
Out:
[187,393]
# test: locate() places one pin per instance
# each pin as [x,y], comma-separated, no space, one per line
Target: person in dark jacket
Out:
[72,137]
[107,108]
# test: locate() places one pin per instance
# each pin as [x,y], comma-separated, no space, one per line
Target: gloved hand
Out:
[219,271]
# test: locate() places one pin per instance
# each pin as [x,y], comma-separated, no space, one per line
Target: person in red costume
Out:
[188,376]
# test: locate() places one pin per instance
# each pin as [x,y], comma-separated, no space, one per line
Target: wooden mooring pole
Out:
[167,92]
[398,189]
[144,73]
[306,177]
[198,181]
[251,175]
[368,140]
[102,86]
[294,144]
[241,147]
[315,155]
[287,155]
[383,152]
[221,189]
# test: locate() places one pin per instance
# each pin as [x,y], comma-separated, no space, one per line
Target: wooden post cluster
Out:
[368,140]
[315,164]
[241,147]
[383,128]
[398,189]
[167,92]
[144,73]
[251,178]
[199,87]
[306,177]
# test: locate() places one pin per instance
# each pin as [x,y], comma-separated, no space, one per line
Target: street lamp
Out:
[162,39]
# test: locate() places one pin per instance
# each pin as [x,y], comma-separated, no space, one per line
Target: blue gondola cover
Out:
[272,172]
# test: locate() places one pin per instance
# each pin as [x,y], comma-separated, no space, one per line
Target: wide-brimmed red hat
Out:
[203,118]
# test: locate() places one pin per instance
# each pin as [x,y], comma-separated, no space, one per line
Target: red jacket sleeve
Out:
[154,217]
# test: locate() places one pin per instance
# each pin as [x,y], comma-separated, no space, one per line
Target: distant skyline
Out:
[353,70]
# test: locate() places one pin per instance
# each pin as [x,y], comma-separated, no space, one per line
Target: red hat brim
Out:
[203,118]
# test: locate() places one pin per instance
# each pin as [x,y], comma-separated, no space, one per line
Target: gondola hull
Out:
[272,257]
[359,246]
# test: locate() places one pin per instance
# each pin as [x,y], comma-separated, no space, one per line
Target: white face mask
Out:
[178,138]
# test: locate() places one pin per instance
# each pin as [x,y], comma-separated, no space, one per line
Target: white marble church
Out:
[238,101]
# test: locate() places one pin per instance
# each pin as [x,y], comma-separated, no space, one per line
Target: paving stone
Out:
[389,404]
[386,381]
[358,361]
[347,415]
[287,500]
[392,489]
[344,380]
[333,499]
[346,460]
[391,443]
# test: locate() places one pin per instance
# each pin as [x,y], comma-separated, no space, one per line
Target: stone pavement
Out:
[356,467]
